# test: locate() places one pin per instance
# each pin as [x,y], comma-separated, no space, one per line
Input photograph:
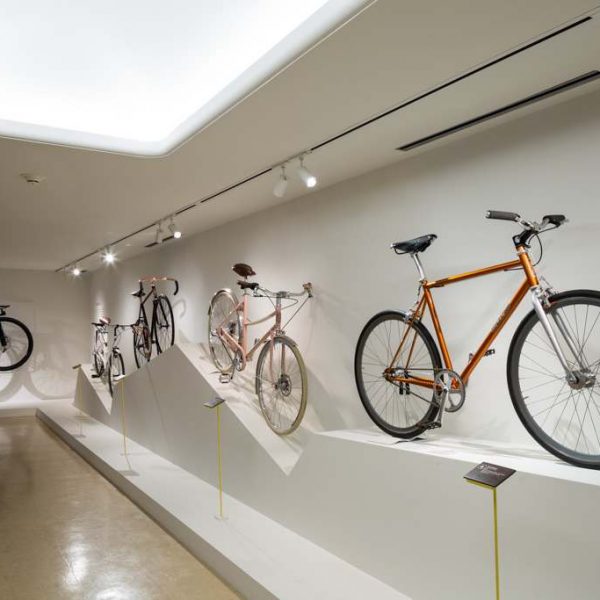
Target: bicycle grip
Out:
[502,215]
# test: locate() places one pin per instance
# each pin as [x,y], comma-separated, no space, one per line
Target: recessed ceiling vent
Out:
[547,93]
[32,179]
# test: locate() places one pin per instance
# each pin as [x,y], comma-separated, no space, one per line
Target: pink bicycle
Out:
[280,373]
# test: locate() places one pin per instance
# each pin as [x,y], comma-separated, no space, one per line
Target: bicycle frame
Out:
[152,280]
[426,302]
[109,343]
[154,295]
[242,348]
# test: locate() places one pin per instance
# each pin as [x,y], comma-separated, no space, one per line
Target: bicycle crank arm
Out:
[445,391]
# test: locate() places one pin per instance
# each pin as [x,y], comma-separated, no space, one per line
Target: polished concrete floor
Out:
[65,532]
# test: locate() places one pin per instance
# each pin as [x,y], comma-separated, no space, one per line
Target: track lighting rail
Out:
[308,178]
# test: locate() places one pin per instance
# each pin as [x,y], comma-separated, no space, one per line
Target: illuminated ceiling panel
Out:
[142,76]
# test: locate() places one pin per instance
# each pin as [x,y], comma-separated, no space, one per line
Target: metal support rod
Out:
[219,461]
[496,546]
[496,554]
[123,420]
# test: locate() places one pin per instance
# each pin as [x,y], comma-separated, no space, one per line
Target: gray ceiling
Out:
[392,52]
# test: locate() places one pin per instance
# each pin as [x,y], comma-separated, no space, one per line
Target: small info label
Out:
[489,474]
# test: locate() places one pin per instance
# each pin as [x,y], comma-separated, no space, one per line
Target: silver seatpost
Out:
[415,257]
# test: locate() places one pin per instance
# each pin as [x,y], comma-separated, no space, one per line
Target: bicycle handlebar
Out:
[153,279]
[116,326]
[502,215]
[306,290]
[555,220]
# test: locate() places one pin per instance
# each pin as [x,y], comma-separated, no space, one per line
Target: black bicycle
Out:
[16,341]
[108,361]
[158,332]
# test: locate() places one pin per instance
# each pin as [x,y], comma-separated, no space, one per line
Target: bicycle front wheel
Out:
[281,385]
[223,318]
[163,323]
[116,370]
[562,415]
[16,344]
[401,409]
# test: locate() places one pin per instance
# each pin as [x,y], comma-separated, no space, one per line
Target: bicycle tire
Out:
[97,357]
[222,308]
[163,319]
[522,368]
[284,386]
[28,337]
[115,359]
[370,400]
[142,341]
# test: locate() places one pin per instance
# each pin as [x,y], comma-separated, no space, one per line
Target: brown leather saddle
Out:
[245,271]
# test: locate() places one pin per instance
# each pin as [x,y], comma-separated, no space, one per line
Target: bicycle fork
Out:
[574,378]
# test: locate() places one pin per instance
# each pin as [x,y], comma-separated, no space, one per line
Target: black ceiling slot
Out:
[547,93]
[453,81]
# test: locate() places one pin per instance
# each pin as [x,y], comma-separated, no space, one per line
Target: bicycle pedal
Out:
[223,378]
[94,376]
[433,425]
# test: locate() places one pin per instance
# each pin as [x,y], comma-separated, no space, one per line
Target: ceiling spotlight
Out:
[281,185]
[157,237]
[307,177]
[176,233]
[109,256]
[76,271]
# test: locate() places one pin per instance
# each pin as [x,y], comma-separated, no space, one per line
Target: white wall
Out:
[56,310]
[339,238]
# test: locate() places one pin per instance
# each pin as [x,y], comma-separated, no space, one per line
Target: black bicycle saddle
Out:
[419,244]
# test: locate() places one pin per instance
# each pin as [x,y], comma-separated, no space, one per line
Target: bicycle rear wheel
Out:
[562,416]
[16,344]
[163,323]
[402,410]
[142,343]
[116,370]
[223,316]
[281,385]
[98,354]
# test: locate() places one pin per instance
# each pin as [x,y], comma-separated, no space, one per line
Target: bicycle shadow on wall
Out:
[43,377]
[331,390]
[179,312]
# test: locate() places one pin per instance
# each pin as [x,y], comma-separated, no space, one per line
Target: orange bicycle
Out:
[406,386]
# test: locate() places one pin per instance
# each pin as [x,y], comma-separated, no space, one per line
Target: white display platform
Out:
[400,512]
[259,557]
